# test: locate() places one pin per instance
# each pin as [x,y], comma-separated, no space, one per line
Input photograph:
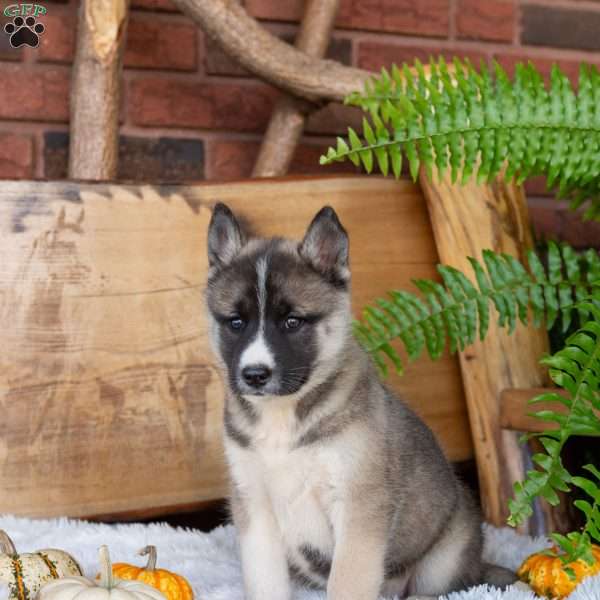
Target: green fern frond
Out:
[575,369]
[452,313]
[578,544]
[591,511]
[476,121]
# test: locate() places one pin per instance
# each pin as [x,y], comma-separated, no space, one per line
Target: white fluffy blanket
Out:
[211,561]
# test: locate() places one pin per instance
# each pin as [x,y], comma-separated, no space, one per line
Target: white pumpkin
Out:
[25,573]
[108,588]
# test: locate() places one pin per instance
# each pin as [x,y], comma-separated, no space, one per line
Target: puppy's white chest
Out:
[273,435]
[288,473]
[299,490]
[297,481]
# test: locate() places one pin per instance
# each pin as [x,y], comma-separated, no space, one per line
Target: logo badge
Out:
[25,28]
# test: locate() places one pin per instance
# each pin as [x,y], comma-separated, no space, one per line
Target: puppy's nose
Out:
[256,375]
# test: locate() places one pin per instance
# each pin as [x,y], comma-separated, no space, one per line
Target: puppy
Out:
[336,483]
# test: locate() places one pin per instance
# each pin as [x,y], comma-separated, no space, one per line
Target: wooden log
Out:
[96,90]
[287,121]
[466,220]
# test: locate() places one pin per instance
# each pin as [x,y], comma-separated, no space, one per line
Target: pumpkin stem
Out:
[6,544]
[106,576]
[151,552]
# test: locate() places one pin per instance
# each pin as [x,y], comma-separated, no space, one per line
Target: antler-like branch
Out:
[287,121]
[265,55]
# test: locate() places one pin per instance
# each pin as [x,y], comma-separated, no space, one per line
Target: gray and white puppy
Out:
[335,482]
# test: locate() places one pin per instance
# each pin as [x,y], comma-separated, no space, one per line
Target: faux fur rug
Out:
[211,562]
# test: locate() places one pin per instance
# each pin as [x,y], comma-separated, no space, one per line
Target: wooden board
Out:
[467,220]
[109,398]
[515,409]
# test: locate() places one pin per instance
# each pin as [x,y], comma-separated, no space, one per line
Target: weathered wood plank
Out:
[515,409]
[466,220]
[109,397]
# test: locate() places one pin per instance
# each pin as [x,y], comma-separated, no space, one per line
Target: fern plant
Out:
[475,121]
[575,369]
[451,314]
[577,544]
[479,123]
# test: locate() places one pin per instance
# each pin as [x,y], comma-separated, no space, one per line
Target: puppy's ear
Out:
[325,246]
[225,237]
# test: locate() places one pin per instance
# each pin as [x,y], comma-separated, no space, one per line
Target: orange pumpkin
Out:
[173,586]
[547,577]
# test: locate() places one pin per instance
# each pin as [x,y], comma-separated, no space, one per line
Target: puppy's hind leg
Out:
[396,587]
[453,562]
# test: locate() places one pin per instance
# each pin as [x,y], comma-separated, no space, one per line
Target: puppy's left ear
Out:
[325,246]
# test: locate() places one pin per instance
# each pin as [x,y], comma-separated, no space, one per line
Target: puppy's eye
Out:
[236,323]
[293,323]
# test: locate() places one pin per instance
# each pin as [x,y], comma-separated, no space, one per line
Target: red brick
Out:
[544,65]
[536,186]
[234,159]
[334,119]
[552,219]
[546,219]
[158,44]
[34,94]
[579,233]
[306,161]
[56,154]
[422,17]
[151,43]
[16,156]
[490,20]
[374,55]
[282,10]
[58,42]
[425,17]
[7,52]
[163,5]
[152,159]
[560,27]
[165,102]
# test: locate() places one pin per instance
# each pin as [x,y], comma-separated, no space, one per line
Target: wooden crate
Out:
[110,401]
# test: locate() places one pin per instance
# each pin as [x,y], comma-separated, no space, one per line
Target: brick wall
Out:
[189,113]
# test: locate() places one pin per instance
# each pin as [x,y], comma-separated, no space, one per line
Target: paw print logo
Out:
[24,32]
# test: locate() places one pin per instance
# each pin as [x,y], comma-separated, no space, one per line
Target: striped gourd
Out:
[26,573]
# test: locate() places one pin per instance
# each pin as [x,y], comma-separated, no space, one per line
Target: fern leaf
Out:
[576,369]
[477,123]
[452,313]
[578,545]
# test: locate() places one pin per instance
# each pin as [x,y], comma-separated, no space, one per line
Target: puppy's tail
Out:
[497,576]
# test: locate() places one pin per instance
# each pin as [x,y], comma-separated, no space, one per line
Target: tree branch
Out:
[287,121]
[95,92]
[265,55]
